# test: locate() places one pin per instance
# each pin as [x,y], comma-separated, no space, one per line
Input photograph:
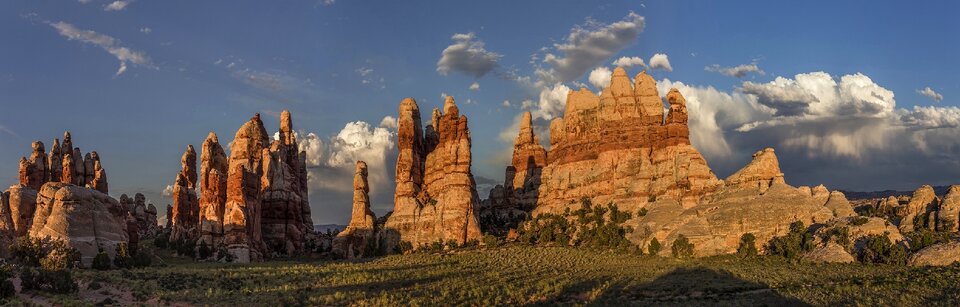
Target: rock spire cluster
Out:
[435,198]
[253,203]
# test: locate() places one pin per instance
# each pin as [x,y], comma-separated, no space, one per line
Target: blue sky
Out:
[198,66]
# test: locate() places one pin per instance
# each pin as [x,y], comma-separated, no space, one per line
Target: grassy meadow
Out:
[513,275]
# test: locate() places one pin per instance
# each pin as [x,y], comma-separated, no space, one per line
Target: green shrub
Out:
[643,212]
[101,261]
[7,289]
[186,248]
[60,256]
[491,241]
[141,260]
[54,281]
[859,220]
[682,248]
[748,246]
[793,244]
[879,249]
[840,235]
[28,251]
[436,246]
[452,244]
[923,238]
[224,255]
[122,257]
[203,251]
[162,239]
[654,247]
[403,247]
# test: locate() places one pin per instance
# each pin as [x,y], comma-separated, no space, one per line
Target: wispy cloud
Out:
[738,71]
[117,5]
[109,44]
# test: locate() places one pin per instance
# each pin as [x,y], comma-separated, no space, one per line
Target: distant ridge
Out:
[854,195]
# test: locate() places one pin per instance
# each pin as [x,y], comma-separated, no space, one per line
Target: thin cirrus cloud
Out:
[930,93]
[467,55]
[109,44]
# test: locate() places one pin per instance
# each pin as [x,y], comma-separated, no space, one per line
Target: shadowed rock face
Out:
[253,203]
[143,214]
[185,205]
[436,196]
[354,240]
[513,200]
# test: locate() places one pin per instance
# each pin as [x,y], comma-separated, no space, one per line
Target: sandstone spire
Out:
[285,215]
[213,193]
[55,162]
[354,240]
[68,169]
[33,172]
[948,217]
[242,212]
[185,205]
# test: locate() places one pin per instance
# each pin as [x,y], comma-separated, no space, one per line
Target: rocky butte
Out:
[435,198]
[253,203]
[619,146]
[63,196]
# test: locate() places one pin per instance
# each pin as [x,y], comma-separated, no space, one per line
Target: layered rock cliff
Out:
[618,147]
[435,198]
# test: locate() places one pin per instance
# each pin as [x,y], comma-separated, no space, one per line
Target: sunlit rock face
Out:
[618,147]
[626,147]
[359,237]
[435,199]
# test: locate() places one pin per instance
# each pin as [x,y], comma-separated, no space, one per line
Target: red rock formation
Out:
[436,196]
[213,195]
[284,193]
[7,231]
[185,204]
[55,162]
[354,240]
[22,202]
[241,221]
[33,172]
[617,147]
[145,216]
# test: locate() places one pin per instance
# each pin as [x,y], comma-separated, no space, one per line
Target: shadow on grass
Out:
[681,287]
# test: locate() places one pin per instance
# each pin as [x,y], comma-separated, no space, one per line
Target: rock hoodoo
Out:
[355,240]
[253,203]
[213,193]
[143,214]
[435,198]
[185,204]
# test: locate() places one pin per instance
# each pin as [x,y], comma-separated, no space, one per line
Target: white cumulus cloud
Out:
[117,5]
[627,62]
[475,86]
[660,61]
[600,77]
